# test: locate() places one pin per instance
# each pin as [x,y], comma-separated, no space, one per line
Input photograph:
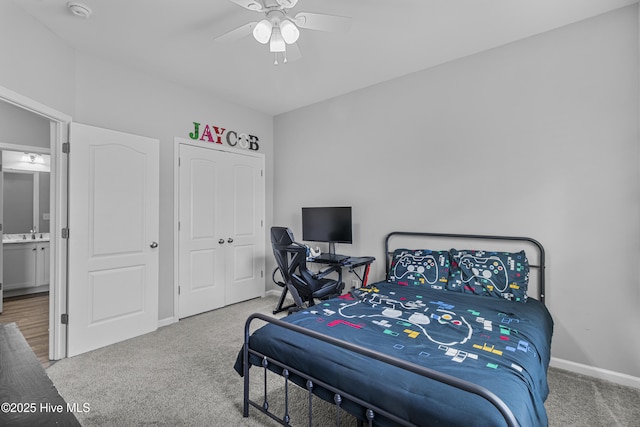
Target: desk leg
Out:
[366,274]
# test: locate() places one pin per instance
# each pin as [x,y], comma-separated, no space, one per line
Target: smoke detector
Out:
[79,9]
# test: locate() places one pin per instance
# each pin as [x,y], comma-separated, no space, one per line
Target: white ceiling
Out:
[174,40]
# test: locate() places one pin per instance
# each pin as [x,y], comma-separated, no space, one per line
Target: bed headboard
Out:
[445,241]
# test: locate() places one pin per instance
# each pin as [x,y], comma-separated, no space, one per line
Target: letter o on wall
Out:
[243,139]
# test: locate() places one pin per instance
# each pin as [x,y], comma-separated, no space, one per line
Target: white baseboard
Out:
[171,320]
[273,292]
[166,322]
[603,374]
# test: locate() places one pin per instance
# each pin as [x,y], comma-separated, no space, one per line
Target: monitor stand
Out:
[331,256]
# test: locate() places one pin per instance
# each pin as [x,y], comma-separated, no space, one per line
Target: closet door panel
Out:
[201,256]
[245,280]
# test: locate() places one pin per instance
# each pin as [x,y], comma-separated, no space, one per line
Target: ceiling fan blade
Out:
[322,22]
[236,34]
[255,5]
[287,4]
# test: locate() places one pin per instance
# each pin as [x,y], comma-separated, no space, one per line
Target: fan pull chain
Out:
[284,55]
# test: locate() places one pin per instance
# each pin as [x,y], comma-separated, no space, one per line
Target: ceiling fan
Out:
[279,29]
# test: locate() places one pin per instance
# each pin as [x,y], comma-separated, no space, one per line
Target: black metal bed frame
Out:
[369,410]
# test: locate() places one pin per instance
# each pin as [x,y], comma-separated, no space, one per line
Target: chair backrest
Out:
[291,258]
[281,236]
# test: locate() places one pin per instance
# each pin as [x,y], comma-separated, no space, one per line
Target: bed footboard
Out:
[339,396]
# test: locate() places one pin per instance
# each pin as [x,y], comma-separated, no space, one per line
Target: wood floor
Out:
[31,314]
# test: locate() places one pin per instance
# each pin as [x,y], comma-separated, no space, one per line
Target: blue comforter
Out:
[501,345]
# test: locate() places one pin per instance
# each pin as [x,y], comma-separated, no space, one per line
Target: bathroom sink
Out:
[25,238]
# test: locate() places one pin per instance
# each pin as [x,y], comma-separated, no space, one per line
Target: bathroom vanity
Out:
[25,259]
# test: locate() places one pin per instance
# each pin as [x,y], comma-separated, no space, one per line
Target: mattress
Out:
[501,345]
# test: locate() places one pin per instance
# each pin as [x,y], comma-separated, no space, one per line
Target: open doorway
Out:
[24,215]
[33,129]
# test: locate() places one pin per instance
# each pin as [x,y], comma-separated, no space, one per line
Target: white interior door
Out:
[221,235]
[201,254]
[113,235]
[245,226]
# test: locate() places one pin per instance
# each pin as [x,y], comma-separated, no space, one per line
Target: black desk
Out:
[351,263]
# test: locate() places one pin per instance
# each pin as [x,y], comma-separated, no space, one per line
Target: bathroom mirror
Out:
[25,192]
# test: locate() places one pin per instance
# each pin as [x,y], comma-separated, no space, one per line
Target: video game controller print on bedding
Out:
[497,274]
[420,268]
[453,330]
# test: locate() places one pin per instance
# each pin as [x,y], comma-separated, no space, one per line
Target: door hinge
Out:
[65,147]
[261,172]
[65,233]
[261,273]
[64,319]
[178,290]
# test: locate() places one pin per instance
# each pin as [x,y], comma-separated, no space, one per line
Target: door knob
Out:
[154,245]
[230,240]
[221,241]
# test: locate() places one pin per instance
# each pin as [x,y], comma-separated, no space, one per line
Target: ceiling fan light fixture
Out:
[290,33]
[262,31]
[277,42]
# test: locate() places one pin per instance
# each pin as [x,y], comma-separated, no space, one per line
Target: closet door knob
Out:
[154,245]
[230,240]
[221,241]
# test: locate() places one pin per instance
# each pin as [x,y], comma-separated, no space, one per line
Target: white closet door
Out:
[245,198]
[113,235]
[221,236]
[201,255]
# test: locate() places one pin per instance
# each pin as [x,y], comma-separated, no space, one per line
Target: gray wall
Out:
[536,138]
[21,127]
[41,66]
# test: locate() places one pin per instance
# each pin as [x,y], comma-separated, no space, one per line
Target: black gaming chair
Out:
[304,285]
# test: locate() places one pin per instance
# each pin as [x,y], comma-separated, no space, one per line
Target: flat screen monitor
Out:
[327,224]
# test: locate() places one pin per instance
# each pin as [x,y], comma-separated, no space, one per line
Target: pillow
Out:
[496,274]
[420,267]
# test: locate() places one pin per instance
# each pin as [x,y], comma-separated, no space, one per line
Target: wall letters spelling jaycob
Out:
[216,134]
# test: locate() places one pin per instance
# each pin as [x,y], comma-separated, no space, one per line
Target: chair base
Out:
[280,308]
